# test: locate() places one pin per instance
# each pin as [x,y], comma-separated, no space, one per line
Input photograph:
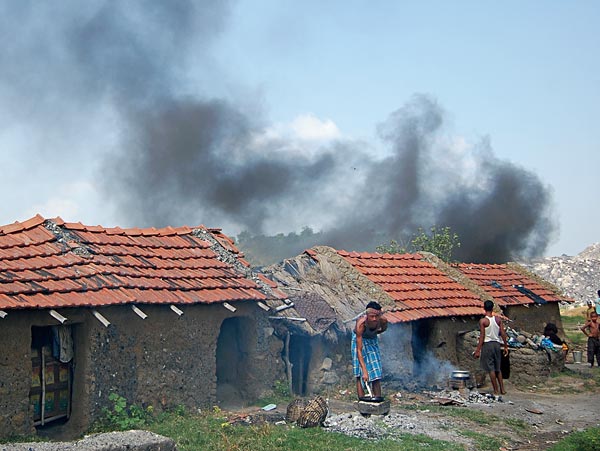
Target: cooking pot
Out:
[460,375]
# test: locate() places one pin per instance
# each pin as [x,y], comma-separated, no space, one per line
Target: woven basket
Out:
[294,409]
[314,413]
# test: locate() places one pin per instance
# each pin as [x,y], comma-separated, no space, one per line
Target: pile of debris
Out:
[520,339]
[576,276]
[375,427]
[462,397]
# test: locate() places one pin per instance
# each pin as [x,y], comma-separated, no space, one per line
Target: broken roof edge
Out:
[223,246]
[376,292]
[544,283]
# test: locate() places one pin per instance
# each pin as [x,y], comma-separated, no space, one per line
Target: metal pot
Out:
[371,398]
[460,375]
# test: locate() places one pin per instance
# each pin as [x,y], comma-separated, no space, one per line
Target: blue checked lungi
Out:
[371,356]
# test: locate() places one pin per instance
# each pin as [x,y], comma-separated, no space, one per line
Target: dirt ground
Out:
[529,418]
[564,404]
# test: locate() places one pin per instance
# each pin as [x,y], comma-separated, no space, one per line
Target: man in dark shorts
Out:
[491,337]
[592,329]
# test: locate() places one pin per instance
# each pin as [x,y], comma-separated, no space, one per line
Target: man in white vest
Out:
[491,337]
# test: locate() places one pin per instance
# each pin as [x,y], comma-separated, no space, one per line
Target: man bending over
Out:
[366,358]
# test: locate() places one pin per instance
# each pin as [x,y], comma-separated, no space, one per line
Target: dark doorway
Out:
[300,355]
[422,366]
[52,374]
[234,361]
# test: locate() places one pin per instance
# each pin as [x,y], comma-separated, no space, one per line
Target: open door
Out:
[51,379]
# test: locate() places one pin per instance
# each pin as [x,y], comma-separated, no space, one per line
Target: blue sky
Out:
[524,74]
[521,76]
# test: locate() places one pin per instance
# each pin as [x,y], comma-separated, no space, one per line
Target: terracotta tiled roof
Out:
[508,286]
[53,264]
[419,289]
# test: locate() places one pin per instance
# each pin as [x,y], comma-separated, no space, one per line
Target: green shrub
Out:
[121,417]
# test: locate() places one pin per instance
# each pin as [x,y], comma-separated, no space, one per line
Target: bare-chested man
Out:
[366,358]
[592,329]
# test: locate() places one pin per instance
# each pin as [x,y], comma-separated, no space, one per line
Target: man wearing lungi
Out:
[366,358]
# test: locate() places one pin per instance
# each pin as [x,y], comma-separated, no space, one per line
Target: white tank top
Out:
[492,332]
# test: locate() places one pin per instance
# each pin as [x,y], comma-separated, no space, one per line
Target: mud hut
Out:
[162,317]
[430,306]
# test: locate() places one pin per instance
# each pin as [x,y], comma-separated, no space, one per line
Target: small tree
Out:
[439,241]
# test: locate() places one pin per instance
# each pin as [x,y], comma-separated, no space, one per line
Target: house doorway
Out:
[237,339]
[52,374]
[300,356]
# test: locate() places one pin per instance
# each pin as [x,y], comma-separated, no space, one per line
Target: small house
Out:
[162,317]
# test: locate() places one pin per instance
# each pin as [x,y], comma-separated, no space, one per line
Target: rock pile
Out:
[578,277]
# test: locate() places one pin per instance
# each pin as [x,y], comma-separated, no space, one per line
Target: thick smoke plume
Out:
[179,154]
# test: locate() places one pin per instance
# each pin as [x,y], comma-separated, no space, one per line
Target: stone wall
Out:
[534,318]
[162,361]
[527,366]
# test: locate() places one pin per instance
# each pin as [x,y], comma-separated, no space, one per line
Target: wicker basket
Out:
[294,409]
[314,413]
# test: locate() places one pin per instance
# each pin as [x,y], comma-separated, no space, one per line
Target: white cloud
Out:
[308,127]
[304,127]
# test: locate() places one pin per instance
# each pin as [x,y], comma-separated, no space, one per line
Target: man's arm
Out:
[586,326]
[482,327]
[360,328]
[503,335]
[383,325]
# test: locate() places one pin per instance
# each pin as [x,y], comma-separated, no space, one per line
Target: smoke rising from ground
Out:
[177,154]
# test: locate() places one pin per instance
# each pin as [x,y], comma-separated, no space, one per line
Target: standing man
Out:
[491,335]
[592,329]
[366,359]
[590,308]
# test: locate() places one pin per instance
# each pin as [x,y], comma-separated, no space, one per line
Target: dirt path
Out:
[529,418]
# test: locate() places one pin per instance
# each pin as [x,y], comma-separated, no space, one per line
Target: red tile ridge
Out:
[96,228]
[75,226]
[58,221]
[151,231]
[25,225]
[115,231]
[183,230]
[132,231]
[33,222]
[166,231]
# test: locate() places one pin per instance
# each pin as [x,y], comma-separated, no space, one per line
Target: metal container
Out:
[577,355]
[460,375]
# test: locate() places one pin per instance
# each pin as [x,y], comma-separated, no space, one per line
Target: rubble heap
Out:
[578,277]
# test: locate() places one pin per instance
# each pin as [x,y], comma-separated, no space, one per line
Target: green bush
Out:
[121,417]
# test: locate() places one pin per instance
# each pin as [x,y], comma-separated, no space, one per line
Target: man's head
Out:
[594,316]
[590,303]
[488,306]
[599,293]
[373,313]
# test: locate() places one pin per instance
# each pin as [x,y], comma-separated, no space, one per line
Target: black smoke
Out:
[182,154]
